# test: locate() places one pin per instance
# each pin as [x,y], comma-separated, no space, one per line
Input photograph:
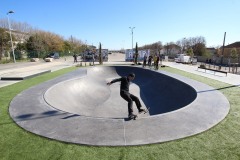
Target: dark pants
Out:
[75,59]
[144,63]
[157,65]
[130,98]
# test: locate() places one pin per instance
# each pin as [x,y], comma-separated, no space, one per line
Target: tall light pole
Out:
[184,43]
[9,26]
[132,34]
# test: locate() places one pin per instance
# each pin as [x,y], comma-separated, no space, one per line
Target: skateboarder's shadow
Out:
[128,119]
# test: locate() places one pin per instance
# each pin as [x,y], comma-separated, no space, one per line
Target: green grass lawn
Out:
[220,142]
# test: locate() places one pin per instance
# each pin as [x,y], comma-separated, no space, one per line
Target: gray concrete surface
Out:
[22,76]
[233,79]
[20,70]
[31,110]
[14,72]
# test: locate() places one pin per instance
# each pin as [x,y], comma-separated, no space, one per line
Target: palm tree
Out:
[100,54]
[136,54]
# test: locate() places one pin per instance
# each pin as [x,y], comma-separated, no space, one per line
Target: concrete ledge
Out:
[25,77]
[31,112]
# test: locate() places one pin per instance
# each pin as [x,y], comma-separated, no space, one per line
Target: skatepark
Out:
[80,108]
[56,107]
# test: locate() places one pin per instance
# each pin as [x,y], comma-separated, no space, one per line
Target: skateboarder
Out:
[124,92]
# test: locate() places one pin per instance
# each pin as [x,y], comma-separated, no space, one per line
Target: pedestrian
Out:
[149,61]
[157,62]
[124,93]
[75,58]
[93,58]
[154,61]
[144,61]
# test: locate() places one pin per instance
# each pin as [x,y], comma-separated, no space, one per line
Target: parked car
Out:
[194,60]
[54,55]
[182,58]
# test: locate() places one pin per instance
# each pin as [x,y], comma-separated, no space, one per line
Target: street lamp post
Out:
[9,26]
[132,34]
[184,43]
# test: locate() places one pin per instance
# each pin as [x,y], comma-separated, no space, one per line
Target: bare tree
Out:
[169,47]
[181,43]
[198,44]
[155,47]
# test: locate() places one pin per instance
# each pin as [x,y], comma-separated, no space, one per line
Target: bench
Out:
[214,70]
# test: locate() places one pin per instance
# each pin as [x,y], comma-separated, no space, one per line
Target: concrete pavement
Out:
[23,70]
[232,79]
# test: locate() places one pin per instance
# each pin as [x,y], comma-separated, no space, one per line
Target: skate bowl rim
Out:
[36,116]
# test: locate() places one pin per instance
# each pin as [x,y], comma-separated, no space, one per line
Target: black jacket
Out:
[124,83]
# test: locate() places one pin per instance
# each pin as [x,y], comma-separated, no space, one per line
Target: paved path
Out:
[25,69]
[230,78]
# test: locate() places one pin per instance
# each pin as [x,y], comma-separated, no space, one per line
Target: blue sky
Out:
[108,21]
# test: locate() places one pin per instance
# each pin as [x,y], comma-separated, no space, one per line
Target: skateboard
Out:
[136,116]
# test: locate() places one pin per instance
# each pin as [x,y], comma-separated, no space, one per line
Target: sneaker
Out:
[142,111]
[132,116]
